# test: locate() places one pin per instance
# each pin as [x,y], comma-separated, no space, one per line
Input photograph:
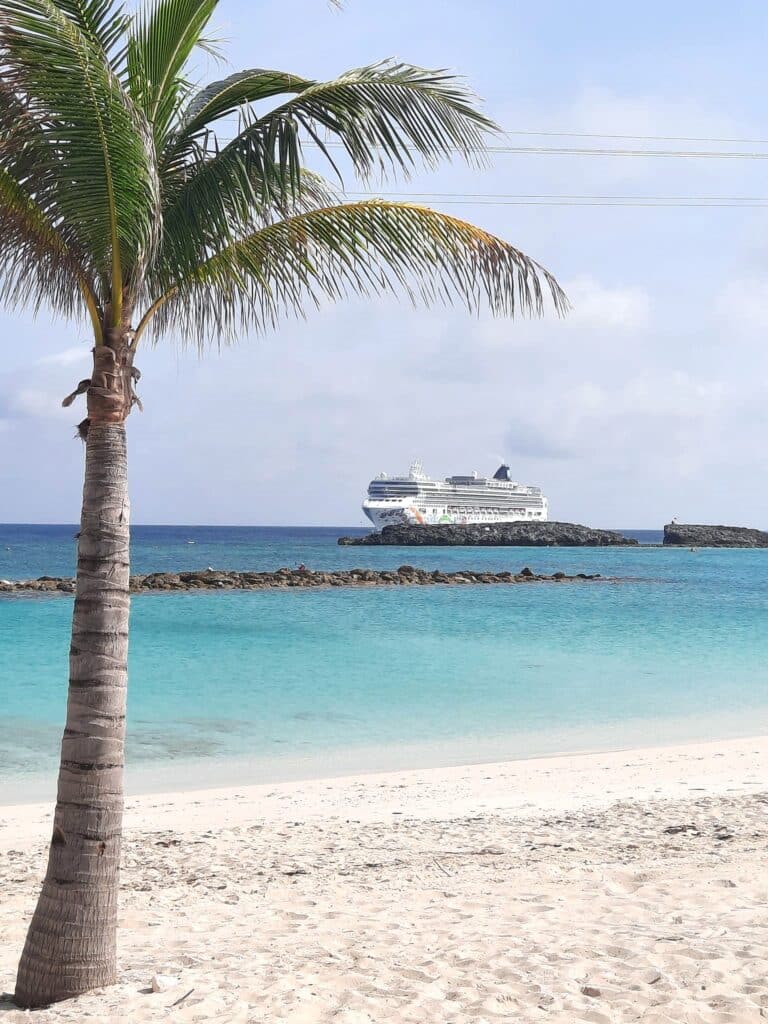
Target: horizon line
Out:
[285,526]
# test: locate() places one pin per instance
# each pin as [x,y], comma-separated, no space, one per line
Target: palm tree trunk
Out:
[71,943]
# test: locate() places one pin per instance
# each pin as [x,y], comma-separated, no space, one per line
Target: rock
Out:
[693,536]
[591,991]
[163,982]
[405,575]
[160,581]
[522,534]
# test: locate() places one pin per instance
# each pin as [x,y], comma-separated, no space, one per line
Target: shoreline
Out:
[655,774]
[151,777]
[590,887]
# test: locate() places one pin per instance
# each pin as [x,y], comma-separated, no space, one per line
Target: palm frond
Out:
[221,98]
[115,189]
[383,115]
[24,144]
[36,263]
[103,22]
[387,114]
[357,248]
[92,168]
[158,49]
[233,206]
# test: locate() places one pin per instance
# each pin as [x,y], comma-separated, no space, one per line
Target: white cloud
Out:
[528,439]
[35,392]
[674,393]
[599,306]
[744,304]
[651,393]
[637,120]
[35,403]
[595,307]
[604,110]
[609,421]
[66,358]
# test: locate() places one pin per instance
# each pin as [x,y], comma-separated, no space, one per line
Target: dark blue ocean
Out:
[250,686]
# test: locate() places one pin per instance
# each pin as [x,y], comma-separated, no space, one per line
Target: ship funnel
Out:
[502,473]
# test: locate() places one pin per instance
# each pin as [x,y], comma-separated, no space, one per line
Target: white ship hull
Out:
[417,500]
[387,514]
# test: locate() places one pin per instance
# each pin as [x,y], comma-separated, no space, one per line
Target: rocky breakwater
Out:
[695,536]
[542,535]
[211,579]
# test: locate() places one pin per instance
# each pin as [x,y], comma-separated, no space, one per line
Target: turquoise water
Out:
[275,684]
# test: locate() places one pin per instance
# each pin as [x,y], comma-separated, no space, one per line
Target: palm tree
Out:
[120,204]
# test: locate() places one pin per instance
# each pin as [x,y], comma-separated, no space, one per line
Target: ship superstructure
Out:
[416,499]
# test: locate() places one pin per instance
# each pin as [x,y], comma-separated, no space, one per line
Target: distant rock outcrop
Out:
[540,535]
[696,536]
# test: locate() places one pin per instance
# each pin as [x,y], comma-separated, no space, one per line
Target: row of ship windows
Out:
[481,495]
[464,511]
[481,502]
[463,499]
[469,492]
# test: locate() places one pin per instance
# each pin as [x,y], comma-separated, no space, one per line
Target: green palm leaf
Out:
[83,195]
[357,248]
[94,160]
[36,263]
[103,22]
[221,98]
[192,234]
[158,50]
[385,114]
[382,115]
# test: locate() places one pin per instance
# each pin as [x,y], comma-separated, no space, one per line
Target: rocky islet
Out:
[521,534]
[693,535]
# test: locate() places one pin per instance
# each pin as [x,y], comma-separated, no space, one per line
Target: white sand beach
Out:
[609,887]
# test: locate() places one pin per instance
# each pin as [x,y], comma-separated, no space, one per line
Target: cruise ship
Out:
[416,499]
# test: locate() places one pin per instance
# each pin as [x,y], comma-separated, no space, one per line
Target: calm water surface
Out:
[275,684]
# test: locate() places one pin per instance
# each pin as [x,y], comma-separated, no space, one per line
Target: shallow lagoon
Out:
[276,684]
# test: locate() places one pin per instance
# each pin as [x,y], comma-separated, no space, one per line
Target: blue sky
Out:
[648,402]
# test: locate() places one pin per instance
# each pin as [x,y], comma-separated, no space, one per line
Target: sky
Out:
[647,402]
